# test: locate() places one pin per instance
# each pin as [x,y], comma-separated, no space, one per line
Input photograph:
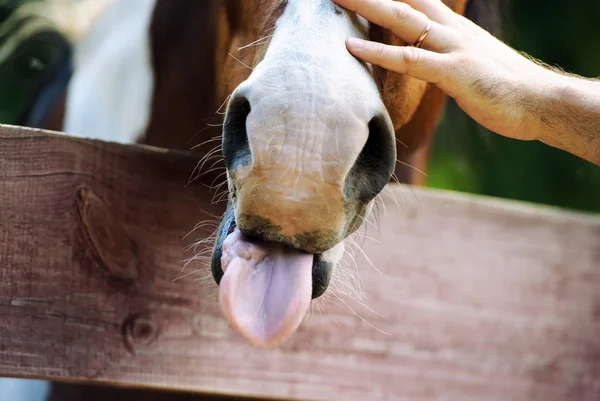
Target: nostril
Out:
[236,149]
[375,164]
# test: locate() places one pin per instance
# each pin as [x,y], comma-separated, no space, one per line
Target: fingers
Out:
[419,63]
[434,9]
[401,19]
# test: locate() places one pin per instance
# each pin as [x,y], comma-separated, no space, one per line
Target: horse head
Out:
[309,141]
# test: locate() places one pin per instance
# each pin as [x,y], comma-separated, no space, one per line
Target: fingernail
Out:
[355,43]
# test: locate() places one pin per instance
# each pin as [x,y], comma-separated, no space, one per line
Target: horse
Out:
[309,138]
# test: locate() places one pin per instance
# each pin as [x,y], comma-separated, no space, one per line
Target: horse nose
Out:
[303,177]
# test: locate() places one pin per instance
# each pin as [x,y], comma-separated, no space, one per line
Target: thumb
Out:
[416,62]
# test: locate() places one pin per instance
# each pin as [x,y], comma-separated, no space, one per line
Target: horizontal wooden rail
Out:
[469,298]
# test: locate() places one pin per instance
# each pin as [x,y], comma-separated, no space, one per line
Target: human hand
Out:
[490,81]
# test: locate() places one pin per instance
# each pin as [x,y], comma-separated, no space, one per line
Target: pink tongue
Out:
[266,289]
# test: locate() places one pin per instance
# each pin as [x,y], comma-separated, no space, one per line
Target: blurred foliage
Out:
[466,157]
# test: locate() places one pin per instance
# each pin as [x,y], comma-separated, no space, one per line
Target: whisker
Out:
[213,139]
[201,225]
[196,135]
[219,160]
[200,165]
[369,260]
[211,170]
[182,276]
[241,62]
[221,198]
[359,316]
[255,43]
[217,187]
[388,191]
[223,182]
[411,166]
[402,143]
[417,198]
[223,104]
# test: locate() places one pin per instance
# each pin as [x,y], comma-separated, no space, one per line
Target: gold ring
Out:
[424,34]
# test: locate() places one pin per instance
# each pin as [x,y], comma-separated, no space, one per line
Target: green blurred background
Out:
[465,157]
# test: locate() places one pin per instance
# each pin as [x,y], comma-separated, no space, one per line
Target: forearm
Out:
[568,115]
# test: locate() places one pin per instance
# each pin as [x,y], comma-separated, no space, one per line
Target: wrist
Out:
[567,114]
[535,88]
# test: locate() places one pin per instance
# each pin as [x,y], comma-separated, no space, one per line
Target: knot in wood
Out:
[139,330]
[106,239]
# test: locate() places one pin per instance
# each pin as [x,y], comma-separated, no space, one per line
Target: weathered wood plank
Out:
[476,299]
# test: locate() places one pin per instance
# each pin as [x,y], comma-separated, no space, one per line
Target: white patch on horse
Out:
[110,94]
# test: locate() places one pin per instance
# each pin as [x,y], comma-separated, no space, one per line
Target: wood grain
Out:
[475,299]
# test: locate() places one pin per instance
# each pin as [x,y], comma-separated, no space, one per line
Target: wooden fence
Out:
[469,298]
